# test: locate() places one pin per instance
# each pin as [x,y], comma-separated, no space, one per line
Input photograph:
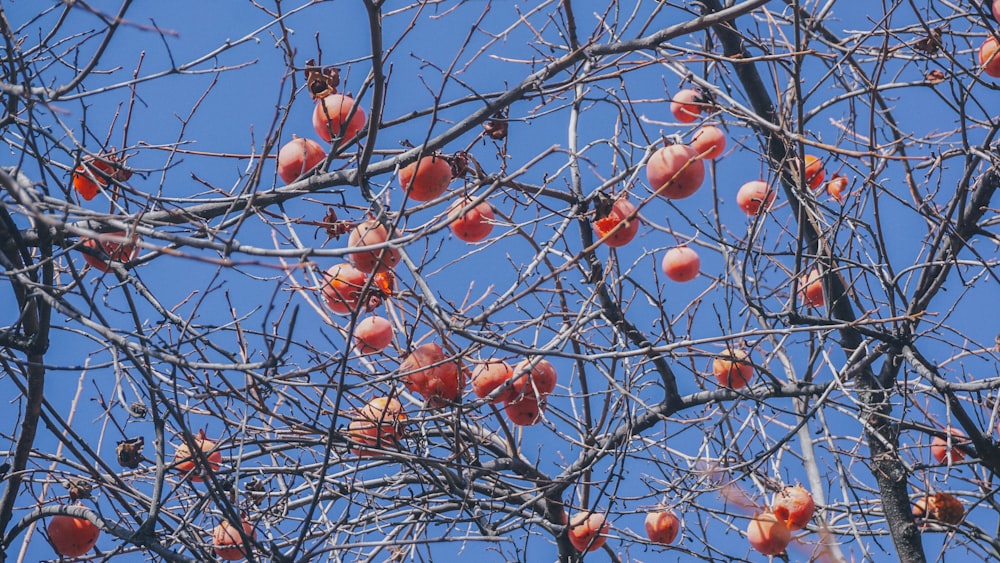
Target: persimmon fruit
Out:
[681,264]
[989,60]
[428,372]
[755,196]
[685,105]
[193,468]
[426,178]
[473,225]
[297,157]
[227,541]
[675,172]
[116,246]
[372,334]
[488,376]
[525,410]
[945,453]
[72,536]
[371,233]
[943,507]
[378,424]
[815,174]
[662,526]
[768,535]
[709,142]
[540,377]
[587,531]
[333,117]
[794,506]
[733,369]
[811,289]
[836,186]
[620,225]
[342,287]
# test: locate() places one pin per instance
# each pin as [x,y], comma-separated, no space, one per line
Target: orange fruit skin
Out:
[342,290]
[988,58]
[709,141]
[622,211]
[811,289]
[192,469]
[684,106]
[428,372]
[227,541]
[681,264]
[72,536]
[117,250]
[426,178]
[330,118]
[525,410]
[944,454]
[490,375]
[675,172]
[372,334]
[815,174]
[734,371]
[586,531]
[475,224]
[662,526]
[370,233]
[755,196]
[768,535]
[378,424]
[542,378]
[794,506]
[297,157]
[943,507]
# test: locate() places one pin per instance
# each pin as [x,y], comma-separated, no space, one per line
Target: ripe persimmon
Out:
[342,290]
[333,117]
[768,534]
[811,289]
[372,334]
[943,507]
[116,246]
[709,142]
[681,264]
[228,542]
[426,178]
[525,410]
[540,378]
[587,531]
[836,186]
[686,106]
[815,174]
[675,172]
[378,424]
[191,466]
[475,224]
[488,376]
[755,196]
[623,213]
[733,369]
[794,506]
[945,453]
[72,536]
[429,373]
[371,233]
[297,157]
[662,526]
[989,60]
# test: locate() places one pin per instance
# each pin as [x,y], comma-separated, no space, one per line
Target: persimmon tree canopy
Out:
[496,187]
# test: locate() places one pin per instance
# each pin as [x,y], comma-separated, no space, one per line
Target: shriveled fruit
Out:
[117,248]
[378,424]
[681,264]
[733,369]
[333,117]
[228,542]
[662,526]
[72,536]
[297,157]
[811,289]
[622,213]
[945,453]
[686,106]
[540,378]
[428,372]
[192,466]
[768,535]
[794,506]
[372,334]
[989,60]
[371,233]
[342,290]
[709,141]
[675,172]
[490,375]
[475,224]
[943,507]
[587,531]
[755,196]
[525,410]
[426,178]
